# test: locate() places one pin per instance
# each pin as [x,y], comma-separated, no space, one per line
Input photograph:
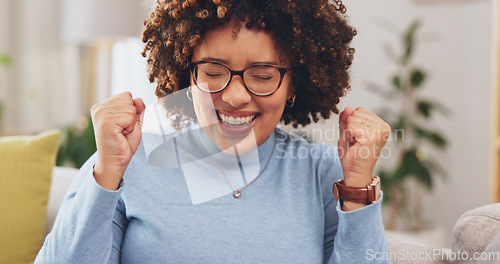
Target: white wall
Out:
[459,65]
[41,88]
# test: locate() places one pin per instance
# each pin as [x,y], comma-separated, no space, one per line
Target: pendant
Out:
[237,194]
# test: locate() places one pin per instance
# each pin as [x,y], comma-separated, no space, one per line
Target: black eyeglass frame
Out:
[192,66]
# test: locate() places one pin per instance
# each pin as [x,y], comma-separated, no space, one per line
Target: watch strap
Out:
[366,195]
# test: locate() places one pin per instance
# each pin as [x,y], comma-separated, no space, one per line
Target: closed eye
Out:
[214,74]
[262,77]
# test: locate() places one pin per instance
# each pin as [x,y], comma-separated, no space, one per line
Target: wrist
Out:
[107,178]
[358,179]
[351,206]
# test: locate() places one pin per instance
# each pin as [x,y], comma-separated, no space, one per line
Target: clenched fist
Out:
[117,124]
[362,136]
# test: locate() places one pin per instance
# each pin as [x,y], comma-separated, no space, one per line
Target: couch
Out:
[473,231]
[61,180]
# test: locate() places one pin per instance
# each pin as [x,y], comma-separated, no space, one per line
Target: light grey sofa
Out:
[473,231]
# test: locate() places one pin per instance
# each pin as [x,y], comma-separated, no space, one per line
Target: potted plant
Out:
[77,143]
[4,61]
[415,169]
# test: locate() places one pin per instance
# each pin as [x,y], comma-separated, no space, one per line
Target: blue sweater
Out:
[169,214]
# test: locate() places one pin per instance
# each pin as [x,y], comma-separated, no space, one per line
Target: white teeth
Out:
[236,120]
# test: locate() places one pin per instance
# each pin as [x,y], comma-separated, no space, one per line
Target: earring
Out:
[189,94]
[340,7]
[290,102]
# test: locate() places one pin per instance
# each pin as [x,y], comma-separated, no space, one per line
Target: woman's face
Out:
[255,116]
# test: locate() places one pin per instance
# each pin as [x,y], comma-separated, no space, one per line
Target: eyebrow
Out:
[226,62]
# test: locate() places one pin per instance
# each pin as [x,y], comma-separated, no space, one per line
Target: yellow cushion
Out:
[26,164]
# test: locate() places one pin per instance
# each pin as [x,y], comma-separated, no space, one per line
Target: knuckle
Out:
[94,109]
[387,126]
[96,112]
[361,109]
[126,95]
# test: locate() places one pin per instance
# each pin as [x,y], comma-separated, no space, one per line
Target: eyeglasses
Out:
[260,80]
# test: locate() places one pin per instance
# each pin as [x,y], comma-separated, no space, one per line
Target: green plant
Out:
[77,144]
[412,135]
[4,61]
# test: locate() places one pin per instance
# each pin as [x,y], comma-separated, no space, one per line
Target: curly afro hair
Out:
[313,34]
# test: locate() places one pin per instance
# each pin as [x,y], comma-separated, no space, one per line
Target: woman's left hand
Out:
[362,136]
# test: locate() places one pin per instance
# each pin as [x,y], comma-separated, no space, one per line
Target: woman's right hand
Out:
[117,126]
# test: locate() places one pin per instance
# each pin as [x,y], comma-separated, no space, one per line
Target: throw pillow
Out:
[26,164]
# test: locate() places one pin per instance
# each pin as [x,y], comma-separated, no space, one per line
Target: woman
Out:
[248,65]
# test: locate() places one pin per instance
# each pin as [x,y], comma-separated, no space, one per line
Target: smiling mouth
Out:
[240,121]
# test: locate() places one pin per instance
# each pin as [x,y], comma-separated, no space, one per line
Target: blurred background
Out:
[429,67]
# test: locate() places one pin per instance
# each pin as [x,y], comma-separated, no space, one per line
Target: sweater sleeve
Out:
[89,226]
[350,237]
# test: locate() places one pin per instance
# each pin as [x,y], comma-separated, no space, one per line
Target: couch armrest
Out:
[61,180]
[476,229]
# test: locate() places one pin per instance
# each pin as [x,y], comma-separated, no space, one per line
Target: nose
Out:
[235,93]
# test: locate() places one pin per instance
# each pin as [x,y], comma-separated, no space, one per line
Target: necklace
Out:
[236,192]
